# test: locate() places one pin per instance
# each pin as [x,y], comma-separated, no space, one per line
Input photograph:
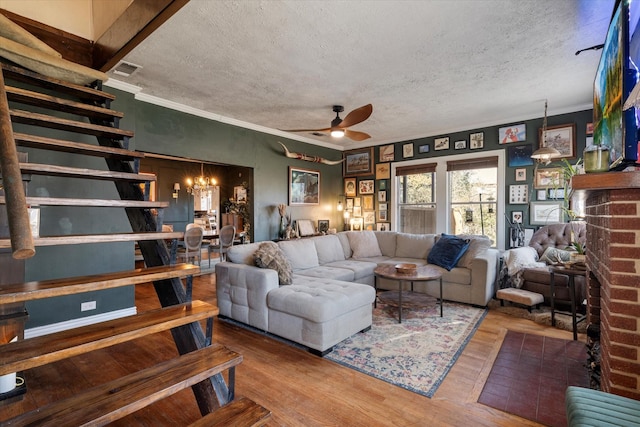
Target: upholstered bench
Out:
[586,407]
[520,296]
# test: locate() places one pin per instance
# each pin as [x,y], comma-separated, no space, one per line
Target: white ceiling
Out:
[428,67]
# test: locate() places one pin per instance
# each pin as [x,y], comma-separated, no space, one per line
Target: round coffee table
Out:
[423,273]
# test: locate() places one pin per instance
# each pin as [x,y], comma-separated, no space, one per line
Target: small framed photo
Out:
[366,186]
[367,203]
[542,195]
[543,213]
[520,155]
[383,171]
[516,217]
[476,140]
[356,224]
[357,211]
[369,217]
[382,216]
[357,201]
[521,174]
[240,194]
[382,196]
[350,187]
[382,206]
[423,149]
[460,145]
[441,143]
[515,133]
[349,205]
[519,194]
[383,185]
[548,178]
[407,150]
[562,138]
[383,226]
[358,162]
[386,153]
[556,193]
[323,226]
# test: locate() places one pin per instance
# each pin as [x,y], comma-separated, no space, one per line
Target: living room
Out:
[177,129]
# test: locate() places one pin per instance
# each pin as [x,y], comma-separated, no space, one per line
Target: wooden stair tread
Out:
[113,400]
[28,97]
[106,203]
[27,354]
[82,92]
[241,412]
[76,239]
[70,172]
[33,141]
[51,122]
[18,292]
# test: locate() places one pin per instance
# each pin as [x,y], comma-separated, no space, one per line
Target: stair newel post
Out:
[16,201]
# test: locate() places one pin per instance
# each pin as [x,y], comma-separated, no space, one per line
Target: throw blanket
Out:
[515,261]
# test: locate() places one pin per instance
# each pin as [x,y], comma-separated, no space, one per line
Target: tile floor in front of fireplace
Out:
[531,374]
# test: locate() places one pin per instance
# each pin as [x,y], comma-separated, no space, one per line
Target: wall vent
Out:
[125,69]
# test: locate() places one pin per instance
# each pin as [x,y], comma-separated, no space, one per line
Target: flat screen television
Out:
[615,78]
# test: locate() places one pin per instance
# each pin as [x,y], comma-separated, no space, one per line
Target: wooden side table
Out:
[571,273]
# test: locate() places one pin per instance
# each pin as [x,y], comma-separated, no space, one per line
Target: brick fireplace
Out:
[612,202]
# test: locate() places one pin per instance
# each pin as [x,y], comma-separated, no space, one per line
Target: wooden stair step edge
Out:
[104,203]
[78,239]
[111,401]
[51,122]
[53,144]
[71,172]
[28,97]
[28,291]
[23,75]
[241,412]
[38,351]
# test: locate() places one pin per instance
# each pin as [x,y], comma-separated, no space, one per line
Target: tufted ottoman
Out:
[319,312]
[520,296]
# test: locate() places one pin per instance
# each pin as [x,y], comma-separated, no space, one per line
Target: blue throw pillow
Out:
[447,251]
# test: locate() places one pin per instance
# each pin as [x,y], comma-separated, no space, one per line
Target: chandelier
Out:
[200,184]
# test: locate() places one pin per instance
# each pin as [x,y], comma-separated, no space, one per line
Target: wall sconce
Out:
[340,207]
[176,189]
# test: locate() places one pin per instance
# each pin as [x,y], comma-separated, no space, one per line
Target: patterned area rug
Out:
[416,354]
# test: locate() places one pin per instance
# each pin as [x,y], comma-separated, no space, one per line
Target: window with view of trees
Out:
[416,199]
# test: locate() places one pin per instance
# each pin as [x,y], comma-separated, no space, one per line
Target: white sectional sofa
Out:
[331,294]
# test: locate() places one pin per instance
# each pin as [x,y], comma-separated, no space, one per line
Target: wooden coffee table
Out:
[422,273]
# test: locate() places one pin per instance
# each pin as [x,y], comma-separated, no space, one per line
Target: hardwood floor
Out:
[299,388]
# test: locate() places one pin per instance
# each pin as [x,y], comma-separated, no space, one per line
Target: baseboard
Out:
[76,323]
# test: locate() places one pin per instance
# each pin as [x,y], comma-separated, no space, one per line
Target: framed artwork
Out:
[356,224]
[358,162]
[542,195]
[515,133]
[240,194]
[460,145]
[383,226]
[386,153]
[562,138]
[382,196]
[357,201]
[383,185]
[382,216]
[423,148]
[548,178]
[518,194]
[407,150]
[304,187]
[476,140]
[516,217]
[382,206]
[369,217]
[349,205]
[305,227]
[543,213]
[350,187]
[366,186]
[323,226]
[521,174]
[441,143]
[383,171]
[367,203]
[357,211]
[520,155]
[556,193]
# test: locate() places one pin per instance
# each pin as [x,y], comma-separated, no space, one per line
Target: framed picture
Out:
[382,216]
[407,150]
[304,187]
[562,138]
[460,145]
[357,211]
[369,217]
[520,155]
[349,205]
[305,227]
[383,185]
[528,234]
[367,203]
[240,194]
[423,148]
[350,187]
[366,186]
[519,194]
[382,206]
[516,217]
[356,224]
[323,226]
[542,195]
[556,193]
[441,143]
[383,171]
[543,213]
[476,140]
[386,153]
[383,226]
[382,196]
[548,178]
[357,202]
[515,133]
[521,174]
[358,162]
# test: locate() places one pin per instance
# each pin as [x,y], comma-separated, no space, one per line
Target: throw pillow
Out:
[478,246]
[364,244]
[269,255]
[447,251]
[555,256]
[518,259]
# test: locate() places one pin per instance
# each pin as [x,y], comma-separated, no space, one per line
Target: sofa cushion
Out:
[328,271]
[344,242]
[447,251]
[329,249]
[301,253]
[359,268]
[387,242]
[555,256]
[414,245]
[243,254]
[269,255]
[477,247]
[364,244]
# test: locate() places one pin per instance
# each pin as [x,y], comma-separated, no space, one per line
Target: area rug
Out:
[416,354]
[541,315]
[531,374]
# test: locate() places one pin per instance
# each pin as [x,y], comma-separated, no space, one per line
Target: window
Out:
[416,199]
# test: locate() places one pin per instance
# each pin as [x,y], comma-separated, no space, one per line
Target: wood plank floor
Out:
[300,389]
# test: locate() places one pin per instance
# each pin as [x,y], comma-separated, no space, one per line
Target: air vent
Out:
[126,69]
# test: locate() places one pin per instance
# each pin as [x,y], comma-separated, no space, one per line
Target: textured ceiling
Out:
[428,67]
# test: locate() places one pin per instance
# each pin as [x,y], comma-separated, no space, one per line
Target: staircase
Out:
[202,365]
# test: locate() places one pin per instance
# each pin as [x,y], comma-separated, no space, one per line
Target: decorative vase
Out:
[282,234]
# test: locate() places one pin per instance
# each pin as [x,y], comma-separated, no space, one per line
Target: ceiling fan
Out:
[339,126]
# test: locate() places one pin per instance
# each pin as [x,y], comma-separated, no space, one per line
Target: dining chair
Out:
[225,241]
[192,243]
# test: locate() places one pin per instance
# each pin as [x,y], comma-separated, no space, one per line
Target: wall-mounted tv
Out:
[615,78]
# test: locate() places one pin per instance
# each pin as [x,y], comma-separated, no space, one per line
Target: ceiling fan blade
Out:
[306,130]
[356,116]
[356,135]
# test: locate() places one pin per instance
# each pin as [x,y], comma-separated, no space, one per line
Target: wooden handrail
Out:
[17,214]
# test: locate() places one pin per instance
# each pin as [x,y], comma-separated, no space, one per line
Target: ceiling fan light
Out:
[337,133]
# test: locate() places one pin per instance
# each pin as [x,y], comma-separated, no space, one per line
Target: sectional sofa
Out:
[331,287]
